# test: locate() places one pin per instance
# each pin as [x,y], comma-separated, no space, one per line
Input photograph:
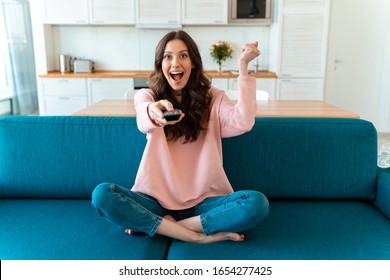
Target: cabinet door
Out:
[300,89]
[109,88]
[160,14]
[112,12]
[268,85]
[222,83]
[262,84]
[65,11]
[304,26]
[205,12]
[64,105]
[63,96]
[64,87]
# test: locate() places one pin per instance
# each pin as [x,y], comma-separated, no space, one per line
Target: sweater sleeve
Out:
[142,99]
[236,119]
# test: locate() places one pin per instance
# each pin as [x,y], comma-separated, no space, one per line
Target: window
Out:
[4,62]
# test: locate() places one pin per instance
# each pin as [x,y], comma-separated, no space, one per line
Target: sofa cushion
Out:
[305,158]
[304,230]
[61,229]
[67,157]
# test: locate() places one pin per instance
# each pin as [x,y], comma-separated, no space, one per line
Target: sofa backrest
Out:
[66,157]
[305,158]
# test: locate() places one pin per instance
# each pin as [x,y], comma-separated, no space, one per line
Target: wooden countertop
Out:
[270,108]
[146,73]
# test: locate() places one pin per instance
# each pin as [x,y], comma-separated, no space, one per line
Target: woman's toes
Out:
[129,231]
[237,237]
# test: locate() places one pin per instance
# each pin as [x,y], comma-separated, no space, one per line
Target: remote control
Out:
[172,115]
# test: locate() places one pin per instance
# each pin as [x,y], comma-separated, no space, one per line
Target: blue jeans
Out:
[235,212]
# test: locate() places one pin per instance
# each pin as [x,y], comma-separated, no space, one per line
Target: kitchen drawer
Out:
[220,83]
[108,88]
[64,105]
[265,84]
[300,89]
[64,87]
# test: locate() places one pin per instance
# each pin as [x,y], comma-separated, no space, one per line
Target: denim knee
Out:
[100,197]
[257,207]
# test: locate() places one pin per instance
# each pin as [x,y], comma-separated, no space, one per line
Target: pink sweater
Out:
[180,175]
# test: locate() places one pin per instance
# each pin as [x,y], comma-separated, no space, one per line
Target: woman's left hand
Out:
[249,52]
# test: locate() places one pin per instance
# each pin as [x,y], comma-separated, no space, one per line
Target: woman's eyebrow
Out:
[178,51]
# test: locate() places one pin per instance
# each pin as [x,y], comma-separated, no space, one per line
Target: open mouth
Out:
[176,75]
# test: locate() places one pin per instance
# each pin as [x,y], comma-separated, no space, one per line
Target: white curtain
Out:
[17,23]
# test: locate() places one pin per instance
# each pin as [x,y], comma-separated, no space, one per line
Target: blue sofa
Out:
[328,199]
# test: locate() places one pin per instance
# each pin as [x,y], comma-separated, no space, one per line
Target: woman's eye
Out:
[183,55]
[167,56]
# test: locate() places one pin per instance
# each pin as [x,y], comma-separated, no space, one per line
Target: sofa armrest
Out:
[382,201]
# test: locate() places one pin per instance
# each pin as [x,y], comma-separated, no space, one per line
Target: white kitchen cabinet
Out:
[265,84]
[63,96]
[300,40]
[112,11]
[65,11]
[300,89]
[64,105]
[158,14]
[268,85]
[222,83]
[198,12]
[89,11]
[108,88]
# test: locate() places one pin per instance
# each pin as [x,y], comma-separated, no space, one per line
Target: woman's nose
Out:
[175,61]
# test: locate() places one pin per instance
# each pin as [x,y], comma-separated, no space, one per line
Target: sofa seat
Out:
[68,229]
[304,230]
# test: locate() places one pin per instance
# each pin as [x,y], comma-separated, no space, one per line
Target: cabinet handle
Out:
[63,80]
[63,98]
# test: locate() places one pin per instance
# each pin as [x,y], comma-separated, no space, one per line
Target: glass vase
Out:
[220,69]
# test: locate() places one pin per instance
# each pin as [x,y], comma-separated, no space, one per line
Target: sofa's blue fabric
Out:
[304,230]
[68,229]
[305,158]
[66,157]
[382,201]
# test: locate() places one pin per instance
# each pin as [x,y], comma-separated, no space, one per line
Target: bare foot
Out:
[222,236]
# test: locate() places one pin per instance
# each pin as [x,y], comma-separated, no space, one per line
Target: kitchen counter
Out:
[146,73]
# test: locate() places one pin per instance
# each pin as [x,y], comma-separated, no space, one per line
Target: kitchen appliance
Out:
[83,66]
[65,63]
[250,11]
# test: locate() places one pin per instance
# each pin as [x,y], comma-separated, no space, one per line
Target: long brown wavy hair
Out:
[196,96]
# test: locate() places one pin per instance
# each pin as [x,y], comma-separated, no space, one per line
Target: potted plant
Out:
[220,51]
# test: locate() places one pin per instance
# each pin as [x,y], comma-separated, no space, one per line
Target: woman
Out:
[181,190]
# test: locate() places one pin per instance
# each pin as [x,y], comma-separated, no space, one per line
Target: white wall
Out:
[126,47]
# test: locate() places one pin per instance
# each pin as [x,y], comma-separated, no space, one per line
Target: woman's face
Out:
[176,65]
